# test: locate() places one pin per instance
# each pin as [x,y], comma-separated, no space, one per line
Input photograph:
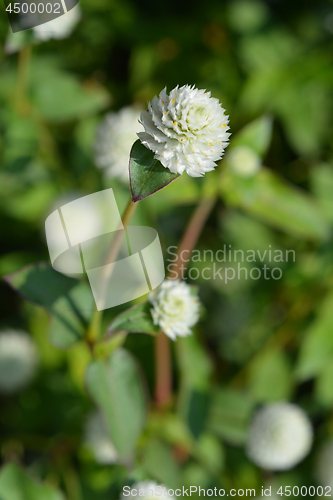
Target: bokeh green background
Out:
[258,340]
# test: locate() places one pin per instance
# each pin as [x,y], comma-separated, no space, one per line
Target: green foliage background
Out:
[258,340]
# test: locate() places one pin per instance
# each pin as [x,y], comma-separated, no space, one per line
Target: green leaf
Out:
[136,319]
[70,301]
[270,377]
[317,345]
[161,465]
[210,452]
[229,415]
[276,202]
[40,283]
[147,175]
[59,96]
[71,316]
[15,484]
[256,135]
[115,386]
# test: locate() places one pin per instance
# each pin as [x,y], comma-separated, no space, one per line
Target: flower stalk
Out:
[163,359]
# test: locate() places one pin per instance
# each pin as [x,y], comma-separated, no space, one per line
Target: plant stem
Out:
[22,78]
[93,332]
[163,365]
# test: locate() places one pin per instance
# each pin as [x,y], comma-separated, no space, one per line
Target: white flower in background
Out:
[187,130]
[147,489]
[114,140]
[60,27]
[244,161]
[324,466]
[175,309]
[97,439]
[18,360]
[280,436]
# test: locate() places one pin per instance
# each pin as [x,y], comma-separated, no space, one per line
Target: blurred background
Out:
[258,340]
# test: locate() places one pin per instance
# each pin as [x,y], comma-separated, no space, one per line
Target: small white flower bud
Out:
[175,309]
[280,436]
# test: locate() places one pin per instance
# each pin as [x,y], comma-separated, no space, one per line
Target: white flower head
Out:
[60,27]
[187,130]
[324,466]
[280,436]
[18,360]
[114,139]
[244,161]
[176,308]
[97,439]
[148,489]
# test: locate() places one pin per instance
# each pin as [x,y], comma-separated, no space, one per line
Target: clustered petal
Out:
[280,436]
[114,139]
[187,130]
[175,309]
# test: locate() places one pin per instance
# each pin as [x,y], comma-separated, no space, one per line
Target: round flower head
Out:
[60,27]
[244,161]
[114,139]
[148,489]
[187,130]
[97,439]
[175,309]
[280,436]
[18,360]
[324,466]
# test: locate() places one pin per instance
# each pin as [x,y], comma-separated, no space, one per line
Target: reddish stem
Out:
[163,366]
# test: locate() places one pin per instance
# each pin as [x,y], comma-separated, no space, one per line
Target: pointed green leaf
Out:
[147,175]
[40,284]
[70,301]
[137,319]
[71,316]
[115,386]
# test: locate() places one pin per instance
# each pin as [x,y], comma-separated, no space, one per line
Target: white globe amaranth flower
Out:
[176,308]
[98,441]
[147,489]
[280,436]
[114,140]
[60,27]
[324,465]
[187,130]
[18,360]
[244,161]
